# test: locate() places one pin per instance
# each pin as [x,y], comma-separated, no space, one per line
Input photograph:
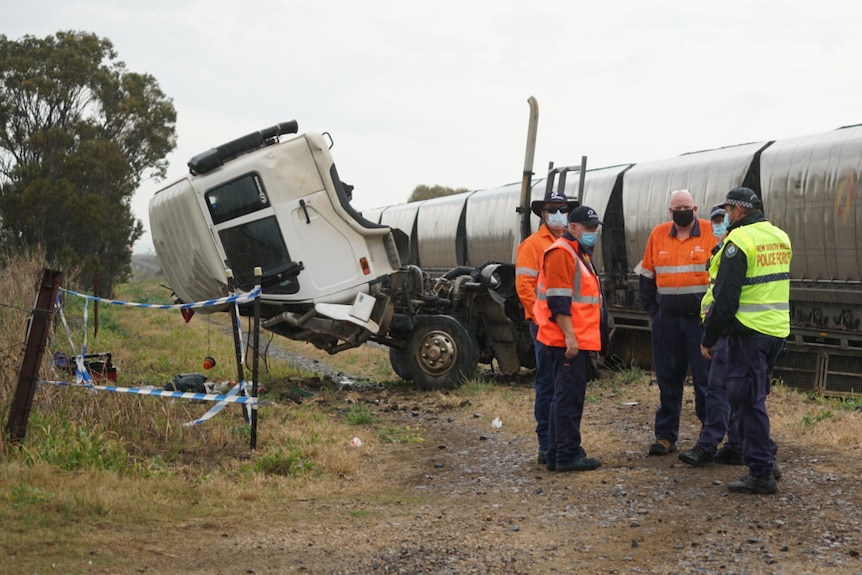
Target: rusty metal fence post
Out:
[38,328]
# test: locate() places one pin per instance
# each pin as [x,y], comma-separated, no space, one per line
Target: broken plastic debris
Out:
[497,423]
[356,442]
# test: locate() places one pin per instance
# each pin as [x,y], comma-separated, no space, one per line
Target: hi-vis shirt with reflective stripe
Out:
[678,266]
[764,300]
[586,301]
[528,260]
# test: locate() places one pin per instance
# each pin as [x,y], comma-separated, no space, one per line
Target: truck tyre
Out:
[440,353]
[396,360]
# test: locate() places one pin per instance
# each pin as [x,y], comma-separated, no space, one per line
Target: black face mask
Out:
[683,218]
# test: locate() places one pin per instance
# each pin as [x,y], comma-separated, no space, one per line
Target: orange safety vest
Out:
[678,266]
[528,260]
[586,307]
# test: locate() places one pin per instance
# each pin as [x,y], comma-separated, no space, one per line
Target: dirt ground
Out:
[471,499]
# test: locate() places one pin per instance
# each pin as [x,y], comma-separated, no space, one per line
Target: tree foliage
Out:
[423,192]
[78,133]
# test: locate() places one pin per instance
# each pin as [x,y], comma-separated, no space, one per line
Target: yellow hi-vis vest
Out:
[712,269]
[764,303]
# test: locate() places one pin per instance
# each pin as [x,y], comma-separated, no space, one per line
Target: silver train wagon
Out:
[808,187]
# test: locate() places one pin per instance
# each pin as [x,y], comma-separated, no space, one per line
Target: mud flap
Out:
[501,336]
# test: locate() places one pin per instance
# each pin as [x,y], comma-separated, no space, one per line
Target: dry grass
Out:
[92,460]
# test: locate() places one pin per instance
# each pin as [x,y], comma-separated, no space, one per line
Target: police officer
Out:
[720,418]
[672,281]
[568,312]
[746,327]
[553,210]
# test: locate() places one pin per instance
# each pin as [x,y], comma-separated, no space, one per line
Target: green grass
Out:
[25,495]
[288,463]
[476,385]
[629,375]
[72,446]
[359,414]
[398,434]
[813,418]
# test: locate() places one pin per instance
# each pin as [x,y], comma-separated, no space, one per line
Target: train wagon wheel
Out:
[440,353]
[396,360]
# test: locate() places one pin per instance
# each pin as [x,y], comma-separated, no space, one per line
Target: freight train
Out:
[433,280]
[808,188]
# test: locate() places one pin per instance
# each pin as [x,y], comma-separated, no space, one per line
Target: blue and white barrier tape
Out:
[238,298]
[163,393]
[218,407]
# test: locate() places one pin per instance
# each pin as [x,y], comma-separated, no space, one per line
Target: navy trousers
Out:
[676,349]
[567,406]
[719,421]
[748,385]
[544,388]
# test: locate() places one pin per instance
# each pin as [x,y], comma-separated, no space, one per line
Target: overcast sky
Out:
[436,92]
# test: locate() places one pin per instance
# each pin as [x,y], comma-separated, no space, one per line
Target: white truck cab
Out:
[274,204]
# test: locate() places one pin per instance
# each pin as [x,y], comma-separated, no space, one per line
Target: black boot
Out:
[696,457]
[758,485]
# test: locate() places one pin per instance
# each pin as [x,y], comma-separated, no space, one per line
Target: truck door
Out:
[247,227]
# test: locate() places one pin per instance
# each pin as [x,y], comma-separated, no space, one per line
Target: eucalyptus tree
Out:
[78,134]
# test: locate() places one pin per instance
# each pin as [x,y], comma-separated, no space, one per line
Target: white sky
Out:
[436,92]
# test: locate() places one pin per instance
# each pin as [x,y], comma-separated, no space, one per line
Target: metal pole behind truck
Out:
[255,338]
[38,329]
[250,416]
[526,181]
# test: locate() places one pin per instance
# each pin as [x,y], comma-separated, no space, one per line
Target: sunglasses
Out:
[562,210]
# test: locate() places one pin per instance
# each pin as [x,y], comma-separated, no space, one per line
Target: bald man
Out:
[672,279]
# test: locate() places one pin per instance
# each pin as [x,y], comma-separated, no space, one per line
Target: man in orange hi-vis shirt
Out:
[672,282]
[569,312]
[554,211]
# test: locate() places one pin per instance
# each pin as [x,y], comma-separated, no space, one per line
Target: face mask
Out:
[683,218]
[589,238]
[558,220]
[719,230]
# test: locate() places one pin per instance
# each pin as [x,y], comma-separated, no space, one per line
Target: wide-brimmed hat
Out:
[585,215]
[552,197]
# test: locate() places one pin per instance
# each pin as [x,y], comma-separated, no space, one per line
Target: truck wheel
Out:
[440,353]
[396,360]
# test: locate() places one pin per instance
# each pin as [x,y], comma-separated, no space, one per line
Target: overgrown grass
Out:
[73,428]
[92,460]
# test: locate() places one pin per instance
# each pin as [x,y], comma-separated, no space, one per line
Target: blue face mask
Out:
[589,238]
[558,220]
[720,229]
